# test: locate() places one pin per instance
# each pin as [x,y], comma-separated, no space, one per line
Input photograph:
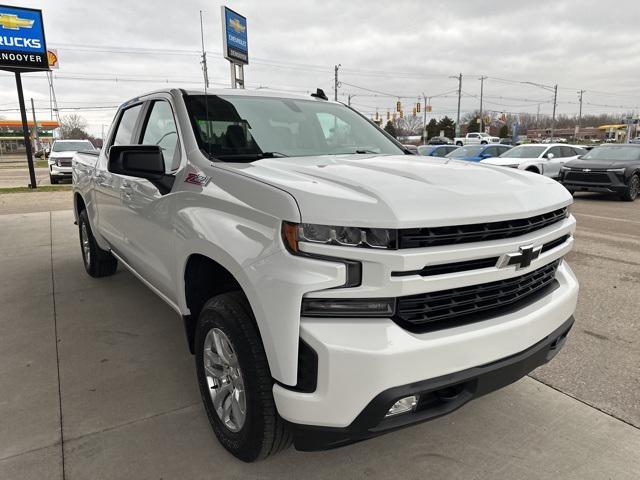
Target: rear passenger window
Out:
[127,123]
[568,152]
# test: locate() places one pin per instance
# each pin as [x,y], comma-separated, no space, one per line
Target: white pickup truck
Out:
[476,138]
[59,160]
[333,287]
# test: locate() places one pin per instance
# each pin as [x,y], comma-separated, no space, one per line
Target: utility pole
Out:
[580,92]
[35,127]
[482,79]
[335,82]
[203,61]
[553,117]
[349,97]
[459,77]
[424,119]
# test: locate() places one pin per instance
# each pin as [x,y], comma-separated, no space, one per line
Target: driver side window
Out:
[161,130]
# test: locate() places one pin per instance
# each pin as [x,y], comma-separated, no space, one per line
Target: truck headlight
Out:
[616,170]
[564,169]
[293,233]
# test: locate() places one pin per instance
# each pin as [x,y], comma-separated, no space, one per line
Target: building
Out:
[11,137]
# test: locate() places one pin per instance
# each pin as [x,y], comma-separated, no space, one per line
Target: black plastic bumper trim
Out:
[438,396]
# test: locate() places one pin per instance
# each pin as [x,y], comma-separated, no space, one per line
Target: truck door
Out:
[107,185]
[146,214]
[552,165]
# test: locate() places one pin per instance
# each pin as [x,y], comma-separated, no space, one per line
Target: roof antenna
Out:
[320,94]
[206,85]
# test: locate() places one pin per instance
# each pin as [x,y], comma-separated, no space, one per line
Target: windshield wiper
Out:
[248,156]
[365,150]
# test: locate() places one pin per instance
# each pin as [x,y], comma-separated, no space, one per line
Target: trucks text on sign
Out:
[22,42]
[234,36]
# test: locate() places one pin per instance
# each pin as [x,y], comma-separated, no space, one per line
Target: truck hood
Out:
[404,191]
[600,164]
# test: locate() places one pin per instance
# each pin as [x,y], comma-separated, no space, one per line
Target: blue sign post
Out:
[234,44]
[22,43]
[234,31]
[23,48]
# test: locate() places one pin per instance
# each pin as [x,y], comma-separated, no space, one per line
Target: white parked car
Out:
[332,286]
[544,159]
[62,152]
[476,138]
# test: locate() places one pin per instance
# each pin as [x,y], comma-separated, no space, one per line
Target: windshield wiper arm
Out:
[365,150]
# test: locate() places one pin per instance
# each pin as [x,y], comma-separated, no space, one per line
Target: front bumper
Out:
[597,181]
[358,359]
[438,396]
[56,171]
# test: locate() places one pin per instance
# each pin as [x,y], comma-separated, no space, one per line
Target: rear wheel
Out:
[97,262]
[633,189]
[459,144]
[483,143]
[533,170]
[235,380]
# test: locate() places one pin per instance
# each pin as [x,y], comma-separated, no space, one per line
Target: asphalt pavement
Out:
[96,381]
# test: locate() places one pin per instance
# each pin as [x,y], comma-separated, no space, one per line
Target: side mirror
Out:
[549,156]
[141,161]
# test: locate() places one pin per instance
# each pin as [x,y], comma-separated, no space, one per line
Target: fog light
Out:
[404,405]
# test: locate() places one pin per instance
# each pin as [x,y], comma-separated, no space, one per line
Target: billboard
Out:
[22,43]
[234,37]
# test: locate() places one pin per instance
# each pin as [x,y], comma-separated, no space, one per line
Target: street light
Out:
[553,89]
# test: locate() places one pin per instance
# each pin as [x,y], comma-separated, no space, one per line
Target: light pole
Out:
[553,89]
[459,77]
[482,79]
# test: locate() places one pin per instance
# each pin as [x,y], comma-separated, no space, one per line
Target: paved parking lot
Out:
[96,381]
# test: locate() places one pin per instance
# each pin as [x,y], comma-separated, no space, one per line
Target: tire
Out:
[97,262]
[533,170]
[459,144]
[483,143]
[261,433]
[633,189]
[53,180]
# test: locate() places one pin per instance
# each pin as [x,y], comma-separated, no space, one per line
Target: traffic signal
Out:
[376,115]
[414,111]
[418,107]
[398,106]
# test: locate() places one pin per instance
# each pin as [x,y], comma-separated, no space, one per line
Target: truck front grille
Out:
[460,305]
[476,232]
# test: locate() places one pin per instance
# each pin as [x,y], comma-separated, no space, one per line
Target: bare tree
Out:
[74,126]
[409,125]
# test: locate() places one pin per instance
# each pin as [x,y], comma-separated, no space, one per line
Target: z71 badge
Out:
[197,179]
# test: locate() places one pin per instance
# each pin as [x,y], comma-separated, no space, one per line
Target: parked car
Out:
[412,148]
[607,168]
[436,150]
[538,158]
[476,138]
[476,153]
[440,141]
[62,152]
[506,141]
[307,264]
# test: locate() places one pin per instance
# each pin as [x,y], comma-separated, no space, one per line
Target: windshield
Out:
[424,150]
[468,151]
[622,152]
[238,128]
[72,146]
[524,152]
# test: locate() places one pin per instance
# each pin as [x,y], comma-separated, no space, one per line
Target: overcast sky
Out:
[403,48]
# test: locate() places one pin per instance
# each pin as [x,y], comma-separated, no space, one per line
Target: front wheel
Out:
[459,144]
[633,188]
[97,262]
[483,143]
[235,380]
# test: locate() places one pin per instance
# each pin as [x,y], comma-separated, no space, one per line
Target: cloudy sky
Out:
[114,49]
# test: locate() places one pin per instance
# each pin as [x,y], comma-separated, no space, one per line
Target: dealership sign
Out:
[234,37]
[22,43]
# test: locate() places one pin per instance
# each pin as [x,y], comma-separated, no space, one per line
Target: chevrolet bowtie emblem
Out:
[237,26]
[13,22]
[586,170]
[522,259]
